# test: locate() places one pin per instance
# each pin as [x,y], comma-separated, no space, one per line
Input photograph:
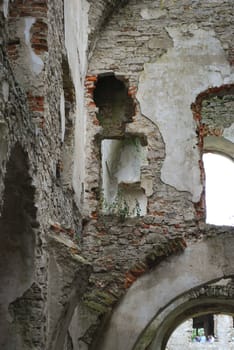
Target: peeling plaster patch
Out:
[36,62]
[76,42]
[5,90]
[121,174]
[76,33]
[62,115]
[166,90]
[5,6]
[229,133]
[147,183]
[152,13]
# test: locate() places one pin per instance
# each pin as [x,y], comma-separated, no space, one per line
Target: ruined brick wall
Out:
[136,35]
[32,80]
[42,95]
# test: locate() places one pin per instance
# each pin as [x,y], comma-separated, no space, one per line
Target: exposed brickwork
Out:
[36,103]
[209,127]
[39,37]
[30,116]
[28,8]
[127,42]
[120,251]
[23,9]
[12,50]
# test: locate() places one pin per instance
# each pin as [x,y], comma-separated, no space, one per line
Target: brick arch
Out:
[211,298]
[210,136]
[220,145]
[202,263]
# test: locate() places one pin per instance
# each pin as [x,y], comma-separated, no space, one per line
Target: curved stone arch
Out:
[212,140]
[201,263]
[202,300]
[218,144]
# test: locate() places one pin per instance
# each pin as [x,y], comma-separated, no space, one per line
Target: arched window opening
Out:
[213,113]
[219,189]
[202,331]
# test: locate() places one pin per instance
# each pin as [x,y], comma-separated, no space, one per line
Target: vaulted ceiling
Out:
[99,13]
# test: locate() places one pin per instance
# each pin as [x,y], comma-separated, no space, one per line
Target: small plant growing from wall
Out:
[119,207]
[122,160]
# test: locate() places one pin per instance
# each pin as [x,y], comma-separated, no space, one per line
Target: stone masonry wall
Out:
[44,59]
[137,33]
[32,46]
[136,36]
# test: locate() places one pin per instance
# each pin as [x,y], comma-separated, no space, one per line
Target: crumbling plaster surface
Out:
[122,161]
[147,296]
[229,133]
[99,14]
[76,41]
[35,62]
[30,116]
[36,124]
[69,271]
[169,86]
[29,65]
[5,7]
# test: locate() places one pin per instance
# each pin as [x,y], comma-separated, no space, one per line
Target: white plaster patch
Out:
[76,42]
[62,115]
[166,90]
[5,7]
[229,133]
[5,90]
[36,62]
[121,175]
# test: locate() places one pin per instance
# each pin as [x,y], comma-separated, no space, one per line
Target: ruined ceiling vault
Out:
[99,13]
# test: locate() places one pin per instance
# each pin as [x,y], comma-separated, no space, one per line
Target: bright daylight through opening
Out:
[219,172]
[208,331]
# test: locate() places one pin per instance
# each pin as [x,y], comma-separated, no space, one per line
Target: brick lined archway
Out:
[155,295]
[210,298]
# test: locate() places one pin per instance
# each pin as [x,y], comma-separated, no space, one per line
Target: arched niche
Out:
[17,249]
